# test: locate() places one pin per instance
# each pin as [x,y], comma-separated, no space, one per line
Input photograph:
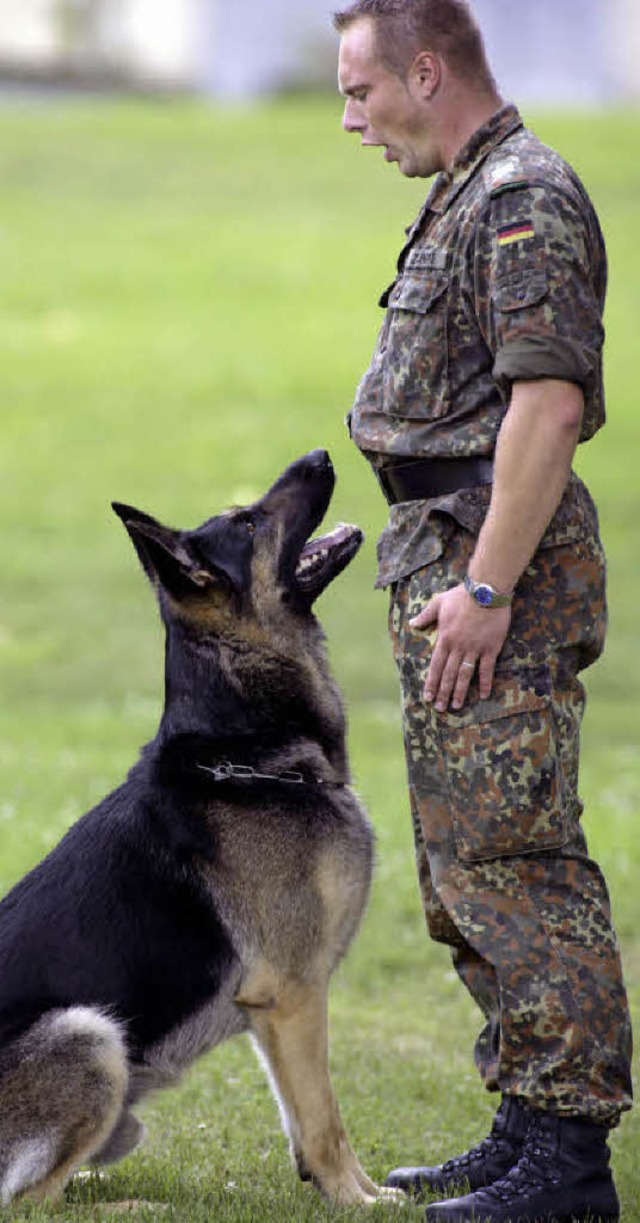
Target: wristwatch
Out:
[484,595]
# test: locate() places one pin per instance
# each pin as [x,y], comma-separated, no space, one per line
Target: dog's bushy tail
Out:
[63,1085]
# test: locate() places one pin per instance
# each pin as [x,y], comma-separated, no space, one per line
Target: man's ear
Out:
[426,74]
[163,554]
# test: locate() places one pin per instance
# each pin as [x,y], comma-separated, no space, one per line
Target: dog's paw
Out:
[375,1193]
[363,1192]
[397,1196]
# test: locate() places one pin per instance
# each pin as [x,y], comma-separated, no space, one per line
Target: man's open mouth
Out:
[324,557]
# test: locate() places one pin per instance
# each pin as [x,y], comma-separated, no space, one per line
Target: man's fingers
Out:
[486,672]
[486,669]
[428,615]
[448,681]
[441,677]
[466,672]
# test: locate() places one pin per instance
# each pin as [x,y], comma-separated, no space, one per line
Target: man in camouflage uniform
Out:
[486,374]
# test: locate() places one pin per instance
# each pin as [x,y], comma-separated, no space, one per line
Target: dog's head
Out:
[257,561]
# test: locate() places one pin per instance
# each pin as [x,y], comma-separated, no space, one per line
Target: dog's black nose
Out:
[319,458]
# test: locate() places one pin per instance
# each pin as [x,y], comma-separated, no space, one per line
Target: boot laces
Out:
[535,1170]
[461,1162]
[495,1144]
[529,1174]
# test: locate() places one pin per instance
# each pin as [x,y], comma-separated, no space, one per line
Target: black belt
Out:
[420,479]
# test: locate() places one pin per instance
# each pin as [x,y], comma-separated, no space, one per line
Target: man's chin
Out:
[406,167]
[412,169]
[403,163]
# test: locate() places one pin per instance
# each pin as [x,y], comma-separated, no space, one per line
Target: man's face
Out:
[388,112]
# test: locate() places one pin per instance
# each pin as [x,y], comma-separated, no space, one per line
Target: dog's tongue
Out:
[324,542]
[316,550]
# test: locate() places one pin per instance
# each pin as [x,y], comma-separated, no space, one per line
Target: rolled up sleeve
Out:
[540,280]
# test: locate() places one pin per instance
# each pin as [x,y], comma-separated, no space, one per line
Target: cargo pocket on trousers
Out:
[503,770]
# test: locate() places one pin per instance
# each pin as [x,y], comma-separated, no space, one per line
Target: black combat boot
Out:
[487,1162]
[563,1176]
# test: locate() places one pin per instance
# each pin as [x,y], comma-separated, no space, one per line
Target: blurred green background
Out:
[188,300]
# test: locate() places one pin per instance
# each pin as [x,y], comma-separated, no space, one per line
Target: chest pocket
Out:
[415,379]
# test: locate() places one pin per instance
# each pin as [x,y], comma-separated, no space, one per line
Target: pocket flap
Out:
[518,292]
[418,293]
[519,691]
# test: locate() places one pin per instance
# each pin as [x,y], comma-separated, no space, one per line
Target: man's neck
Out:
[469,112]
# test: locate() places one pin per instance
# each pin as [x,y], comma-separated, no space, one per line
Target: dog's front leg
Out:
[289,1025]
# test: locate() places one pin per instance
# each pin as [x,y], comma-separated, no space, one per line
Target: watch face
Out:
[484,595]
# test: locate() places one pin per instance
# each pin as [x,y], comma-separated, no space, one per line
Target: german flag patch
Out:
[515,233]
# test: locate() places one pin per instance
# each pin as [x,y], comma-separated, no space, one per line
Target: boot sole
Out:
[589,1217]
[573,1218]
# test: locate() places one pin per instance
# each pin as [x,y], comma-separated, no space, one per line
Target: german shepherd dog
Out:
[216,890]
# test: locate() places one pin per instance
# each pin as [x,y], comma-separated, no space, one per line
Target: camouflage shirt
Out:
[503,277]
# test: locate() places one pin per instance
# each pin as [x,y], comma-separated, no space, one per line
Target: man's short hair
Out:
[403,28]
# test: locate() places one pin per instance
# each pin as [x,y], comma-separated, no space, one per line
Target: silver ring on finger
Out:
[470,665]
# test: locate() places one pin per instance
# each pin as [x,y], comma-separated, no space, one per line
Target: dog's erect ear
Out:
[163,554]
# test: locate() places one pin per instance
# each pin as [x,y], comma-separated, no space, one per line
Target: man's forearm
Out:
[535,450]
[533,461]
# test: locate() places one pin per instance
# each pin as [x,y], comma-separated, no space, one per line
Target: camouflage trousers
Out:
[504,871]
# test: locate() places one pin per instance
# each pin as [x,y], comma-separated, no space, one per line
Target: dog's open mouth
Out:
[324,557]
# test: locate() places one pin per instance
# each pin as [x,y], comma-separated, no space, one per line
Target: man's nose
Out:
[351,119]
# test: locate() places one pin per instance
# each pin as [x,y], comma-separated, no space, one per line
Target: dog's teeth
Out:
[309,562]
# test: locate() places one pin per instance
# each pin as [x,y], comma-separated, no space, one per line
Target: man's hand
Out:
[468,637]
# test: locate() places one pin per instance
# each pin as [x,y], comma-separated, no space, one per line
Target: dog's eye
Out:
[250,525]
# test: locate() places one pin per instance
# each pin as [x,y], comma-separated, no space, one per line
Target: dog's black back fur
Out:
[74,930]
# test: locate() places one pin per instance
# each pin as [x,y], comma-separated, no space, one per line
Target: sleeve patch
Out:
[508,174]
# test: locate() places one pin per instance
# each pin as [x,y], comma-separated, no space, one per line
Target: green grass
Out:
[187,303]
